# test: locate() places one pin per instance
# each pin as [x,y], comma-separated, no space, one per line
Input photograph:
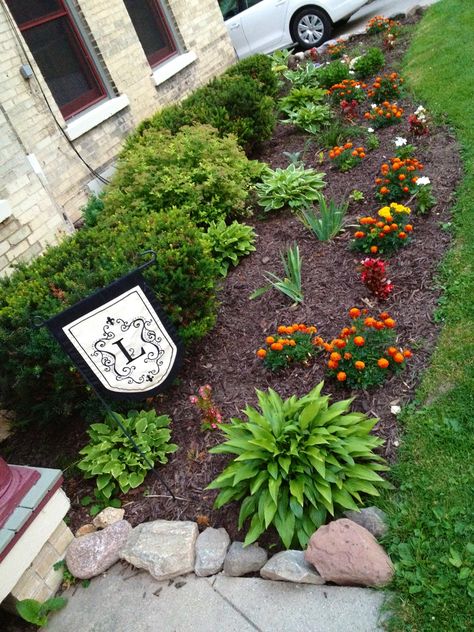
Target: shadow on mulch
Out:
[226,357]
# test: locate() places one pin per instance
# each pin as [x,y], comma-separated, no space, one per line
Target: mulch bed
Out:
[226,359]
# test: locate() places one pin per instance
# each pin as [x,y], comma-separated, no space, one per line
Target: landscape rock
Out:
[290,566]
[85,530]
[108,516]
[92,554]
[345,553]
[211,548]
[165,548]
[371,518]
[241,560]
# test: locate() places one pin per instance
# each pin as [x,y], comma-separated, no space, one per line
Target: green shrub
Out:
[229,243]
[92,210]
[332,73]
[234,105]
[195,170]
[110,456]
[294,186]
[310,117]
[36,377]
[296,461]
[299,97]
[259,67]
[370,63]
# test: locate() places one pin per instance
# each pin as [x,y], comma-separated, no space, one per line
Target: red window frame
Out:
[98,92]
[161,23]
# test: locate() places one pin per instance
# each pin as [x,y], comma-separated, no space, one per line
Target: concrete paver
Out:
[124,600]
[287,607]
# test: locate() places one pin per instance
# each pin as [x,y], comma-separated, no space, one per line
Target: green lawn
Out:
[432,509]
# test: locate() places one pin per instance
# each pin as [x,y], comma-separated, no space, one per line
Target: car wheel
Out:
[311,27]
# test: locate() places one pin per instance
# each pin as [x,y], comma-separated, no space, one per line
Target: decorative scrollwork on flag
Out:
[121,340]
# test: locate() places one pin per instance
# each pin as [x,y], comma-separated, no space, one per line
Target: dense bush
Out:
[370,63]
[194,170]
[259,67]
[232,103]
[36,378]
[296,461]
[92,210]
[332,73]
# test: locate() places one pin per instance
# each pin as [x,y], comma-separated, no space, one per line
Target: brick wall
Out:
[47,198]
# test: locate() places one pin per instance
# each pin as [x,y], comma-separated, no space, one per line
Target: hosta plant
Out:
[111,458]
[311,117]
[294,186]
[295,462]
[229,243]
[304,75]
[299,97]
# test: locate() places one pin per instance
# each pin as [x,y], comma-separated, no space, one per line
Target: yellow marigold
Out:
[384,212]
[399,208]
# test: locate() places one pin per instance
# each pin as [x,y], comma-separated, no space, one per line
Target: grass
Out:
[432,510]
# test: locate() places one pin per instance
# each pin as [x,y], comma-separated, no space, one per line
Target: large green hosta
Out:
[297,461]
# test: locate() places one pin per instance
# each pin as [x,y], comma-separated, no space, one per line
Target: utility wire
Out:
[62,130]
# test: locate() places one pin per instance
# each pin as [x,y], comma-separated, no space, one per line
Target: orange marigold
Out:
[354,312]
[359,341]
[398,357]
[359,365]
[261,353]
[341,376]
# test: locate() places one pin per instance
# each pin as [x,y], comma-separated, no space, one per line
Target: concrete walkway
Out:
[127,600]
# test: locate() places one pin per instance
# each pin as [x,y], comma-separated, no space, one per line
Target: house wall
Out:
[46,191]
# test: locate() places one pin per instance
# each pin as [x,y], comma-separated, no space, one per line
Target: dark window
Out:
[60,53]
[152,29]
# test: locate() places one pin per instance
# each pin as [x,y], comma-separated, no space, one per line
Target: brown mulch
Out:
[226,358]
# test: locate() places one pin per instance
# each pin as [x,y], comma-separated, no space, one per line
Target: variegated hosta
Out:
[296,461]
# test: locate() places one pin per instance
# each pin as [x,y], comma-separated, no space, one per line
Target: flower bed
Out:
[226,358]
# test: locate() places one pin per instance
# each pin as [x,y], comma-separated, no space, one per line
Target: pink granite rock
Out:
[92,554]
[345,553]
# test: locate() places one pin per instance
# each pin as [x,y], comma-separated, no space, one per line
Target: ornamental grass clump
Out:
[347,157]
[290,284]
[386,233]
[384,114]
[365,354]
[292,343]
[398,179]
[294,186]
[296,461]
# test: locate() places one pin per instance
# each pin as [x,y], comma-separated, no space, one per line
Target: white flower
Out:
[395,410]
[373,106]
[353,62]
[400,141]
[352,72]
[370,130]
[419,110]
[420,113]
[420,182]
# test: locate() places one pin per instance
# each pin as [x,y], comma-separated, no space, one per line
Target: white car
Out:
[263,26]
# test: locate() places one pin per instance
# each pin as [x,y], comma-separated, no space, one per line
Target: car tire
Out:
[311,27]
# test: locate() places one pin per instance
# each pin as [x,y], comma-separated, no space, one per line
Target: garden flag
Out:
[121,340]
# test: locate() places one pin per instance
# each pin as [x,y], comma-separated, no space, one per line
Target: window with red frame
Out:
[152,29]
[60,52]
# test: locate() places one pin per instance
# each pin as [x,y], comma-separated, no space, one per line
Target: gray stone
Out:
[290,566]
[241,560]
[371,518]
[92,554]
[108,516]
[165,548]
[211,549]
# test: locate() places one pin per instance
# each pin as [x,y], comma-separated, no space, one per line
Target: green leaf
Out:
[285,527]
[30,610]
[273,469]
[309,413]
[273,488]
[256,529]
[297,489]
